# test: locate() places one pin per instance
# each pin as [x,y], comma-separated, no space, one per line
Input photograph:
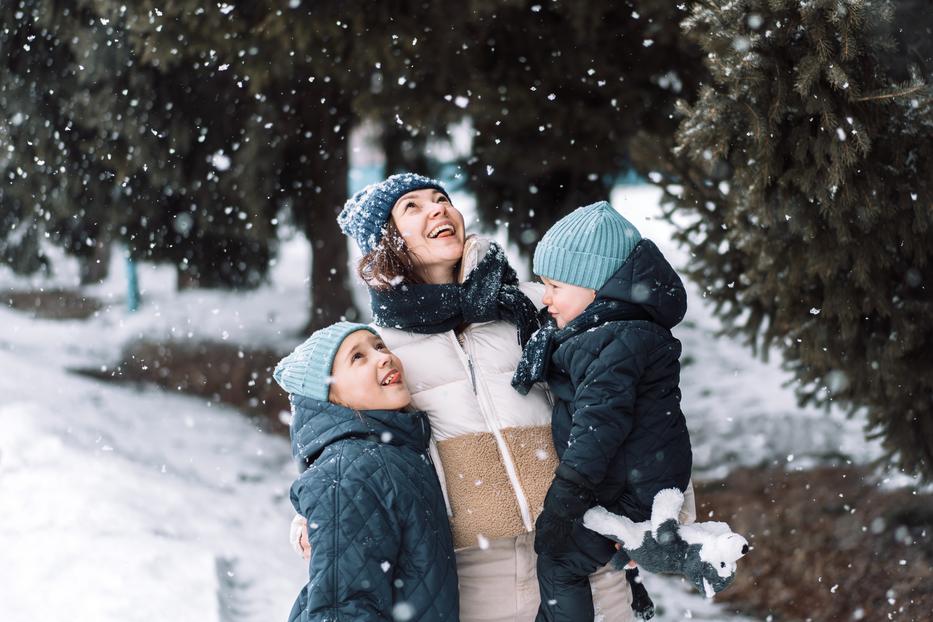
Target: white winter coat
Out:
[492,446]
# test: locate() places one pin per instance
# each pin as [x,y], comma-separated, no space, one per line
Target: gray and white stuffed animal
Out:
[704,553]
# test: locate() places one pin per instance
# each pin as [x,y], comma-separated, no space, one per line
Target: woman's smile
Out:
[442,230]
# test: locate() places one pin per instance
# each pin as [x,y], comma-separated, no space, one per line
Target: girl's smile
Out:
[367,376]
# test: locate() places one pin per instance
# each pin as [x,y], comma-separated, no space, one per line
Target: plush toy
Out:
[704,553]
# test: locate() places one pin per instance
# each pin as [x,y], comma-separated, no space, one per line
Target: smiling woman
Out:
[422,242]
[432,231]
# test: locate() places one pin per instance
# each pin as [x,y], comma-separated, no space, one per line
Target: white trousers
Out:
[499,584]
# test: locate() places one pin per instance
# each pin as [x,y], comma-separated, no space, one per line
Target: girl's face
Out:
[433,231]
[366,376]
[565,301]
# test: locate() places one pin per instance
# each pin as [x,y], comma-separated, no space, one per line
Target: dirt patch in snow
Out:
[52,304]
[828,544]
[220,372]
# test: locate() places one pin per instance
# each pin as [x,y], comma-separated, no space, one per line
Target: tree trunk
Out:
[185,279]
[21,249]
[331,298]
[95,267]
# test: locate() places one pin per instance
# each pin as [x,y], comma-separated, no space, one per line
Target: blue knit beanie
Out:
[365,214]
[306,371]
[586,247]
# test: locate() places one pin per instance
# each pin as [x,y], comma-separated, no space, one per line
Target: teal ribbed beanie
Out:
[306,371]
[586,246]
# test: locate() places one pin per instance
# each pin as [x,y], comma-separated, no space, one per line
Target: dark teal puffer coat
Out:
[381,547]
[615,374]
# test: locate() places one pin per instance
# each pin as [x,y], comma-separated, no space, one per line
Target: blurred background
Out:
[171,173]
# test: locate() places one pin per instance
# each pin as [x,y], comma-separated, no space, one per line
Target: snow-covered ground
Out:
[132,504]
[123,503]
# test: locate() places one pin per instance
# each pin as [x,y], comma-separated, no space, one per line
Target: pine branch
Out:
[754,116]
[902,93]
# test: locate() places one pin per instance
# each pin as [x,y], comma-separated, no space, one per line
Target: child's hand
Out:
[564,504]
[631,563]
[298,536]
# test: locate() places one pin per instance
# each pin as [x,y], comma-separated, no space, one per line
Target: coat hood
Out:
[317,424]
[648,286]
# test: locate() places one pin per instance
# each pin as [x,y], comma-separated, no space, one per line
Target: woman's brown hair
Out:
[389,263]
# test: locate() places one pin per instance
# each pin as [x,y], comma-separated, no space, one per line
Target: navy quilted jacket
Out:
[381,547]
[615,374]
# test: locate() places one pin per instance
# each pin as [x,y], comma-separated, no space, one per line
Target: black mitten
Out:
[565,503]
[642,604]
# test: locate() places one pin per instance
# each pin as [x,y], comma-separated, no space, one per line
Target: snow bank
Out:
[118,504]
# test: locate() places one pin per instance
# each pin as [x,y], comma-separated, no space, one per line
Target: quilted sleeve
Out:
[354,541]
[603,410]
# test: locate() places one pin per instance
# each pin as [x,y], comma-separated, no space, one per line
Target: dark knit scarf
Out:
[489,293]
[536,356]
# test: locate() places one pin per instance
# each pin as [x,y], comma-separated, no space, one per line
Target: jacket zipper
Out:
[435,457]
[508,463]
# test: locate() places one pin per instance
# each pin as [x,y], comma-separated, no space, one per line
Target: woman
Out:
[451,308]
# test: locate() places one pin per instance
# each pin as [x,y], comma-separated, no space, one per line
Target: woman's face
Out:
[366,376]
[433,231]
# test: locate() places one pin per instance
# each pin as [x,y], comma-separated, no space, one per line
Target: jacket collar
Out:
[645,287]
[317,424]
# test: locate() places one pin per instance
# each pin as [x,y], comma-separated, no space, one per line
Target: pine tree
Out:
[122,135]
[310,73]
[806,165]
[558,93]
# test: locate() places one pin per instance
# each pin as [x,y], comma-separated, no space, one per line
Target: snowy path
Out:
[118,503]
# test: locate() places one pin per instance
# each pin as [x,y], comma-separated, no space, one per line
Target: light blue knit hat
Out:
[365,214]
[306,371]
[586,247]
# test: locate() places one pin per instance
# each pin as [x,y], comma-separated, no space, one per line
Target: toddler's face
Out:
[565,301]
[366,376]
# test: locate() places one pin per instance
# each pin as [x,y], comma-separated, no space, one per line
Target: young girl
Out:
[381,547]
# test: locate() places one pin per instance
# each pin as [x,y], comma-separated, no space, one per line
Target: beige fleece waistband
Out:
[481,497]
[535,460]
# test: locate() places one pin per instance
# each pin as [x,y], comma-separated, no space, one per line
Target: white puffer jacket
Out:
[491,446]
